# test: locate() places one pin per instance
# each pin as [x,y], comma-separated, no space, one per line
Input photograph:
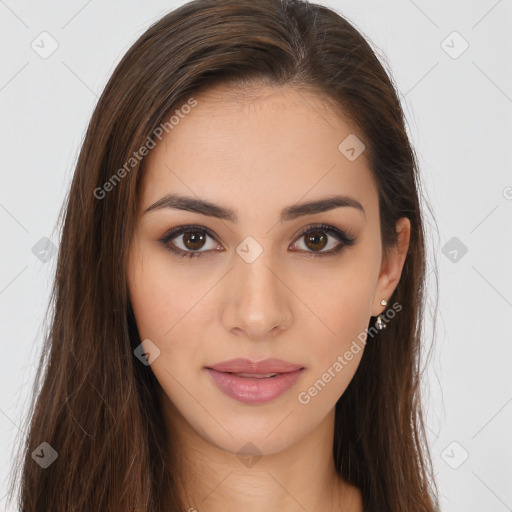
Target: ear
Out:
[391,268]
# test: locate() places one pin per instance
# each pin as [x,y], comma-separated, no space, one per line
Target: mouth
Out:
[268,368]
[253,375]
[254,388]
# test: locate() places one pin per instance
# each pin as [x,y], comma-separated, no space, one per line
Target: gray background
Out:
[458,105]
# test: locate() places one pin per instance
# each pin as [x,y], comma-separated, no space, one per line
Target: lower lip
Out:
[251,390]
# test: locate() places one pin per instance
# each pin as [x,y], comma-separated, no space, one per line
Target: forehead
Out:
[241,146]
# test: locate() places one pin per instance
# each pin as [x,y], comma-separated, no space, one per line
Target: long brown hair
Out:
[93,402]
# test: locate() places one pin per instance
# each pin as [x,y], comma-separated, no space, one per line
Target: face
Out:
[257,276]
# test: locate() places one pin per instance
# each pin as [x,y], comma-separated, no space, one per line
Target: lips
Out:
[255,375]
[253,382]
[266,367]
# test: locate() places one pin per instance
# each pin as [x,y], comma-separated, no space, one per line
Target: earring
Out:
[380,323]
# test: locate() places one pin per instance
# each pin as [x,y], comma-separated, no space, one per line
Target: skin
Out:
[258,151]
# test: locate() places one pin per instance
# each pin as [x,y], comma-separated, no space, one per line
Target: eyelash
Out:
[344,239]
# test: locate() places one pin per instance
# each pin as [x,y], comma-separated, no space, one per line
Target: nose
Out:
[257,302]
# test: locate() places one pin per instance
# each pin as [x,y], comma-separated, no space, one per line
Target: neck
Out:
[302,476]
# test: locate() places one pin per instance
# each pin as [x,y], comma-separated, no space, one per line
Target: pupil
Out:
[316,239]
[196,240]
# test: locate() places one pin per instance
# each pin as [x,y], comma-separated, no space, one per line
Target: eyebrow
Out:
[204,207]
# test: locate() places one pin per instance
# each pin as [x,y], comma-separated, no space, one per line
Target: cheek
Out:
[342,304]
[334,355]
[167,309]
[147,298]
[337,337]
[161,298]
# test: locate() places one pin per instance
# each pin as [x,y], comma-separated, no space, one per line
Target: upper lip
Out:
[242,365]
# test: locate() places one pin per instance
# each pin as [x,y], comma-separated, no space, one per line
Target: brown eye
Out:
[193,240]
[315,240]
[189,241]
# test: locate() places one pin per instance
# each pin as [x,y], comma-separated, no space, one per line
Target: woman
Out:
[240,282]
